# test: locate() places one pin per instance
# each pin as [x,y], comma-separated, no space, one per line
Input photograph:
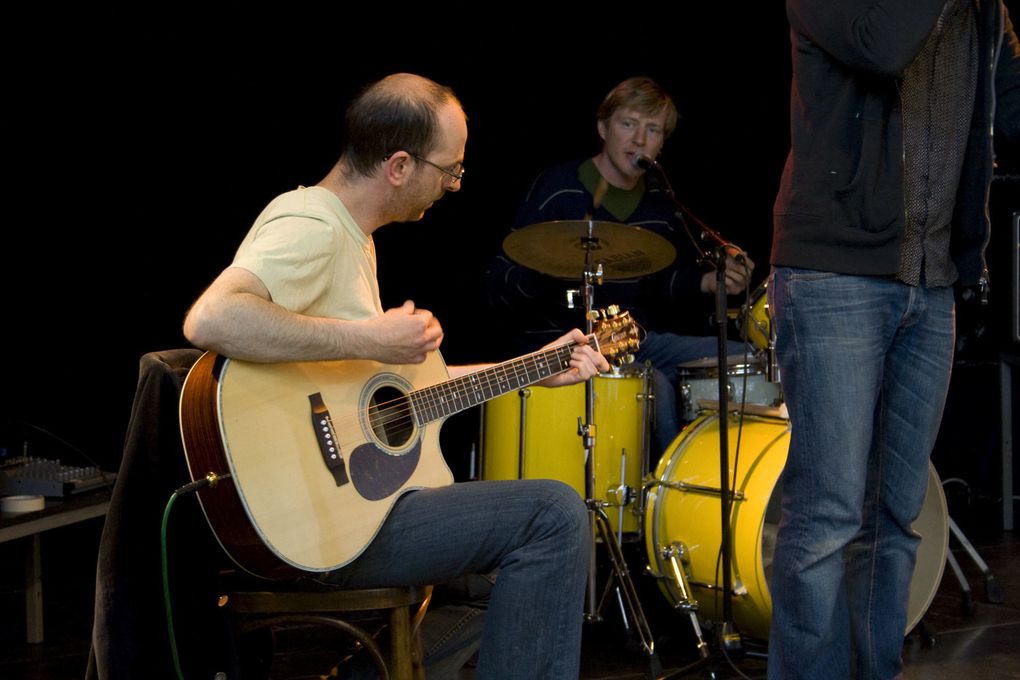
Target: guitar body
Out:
[318,452]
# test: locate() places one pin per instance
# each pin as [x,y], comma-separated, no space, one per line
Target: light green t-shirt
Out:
[310,253]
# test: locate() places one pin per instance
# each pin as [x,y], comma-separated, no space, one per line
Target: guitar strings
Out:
[491,377]
[449,397]
[443,395]
[452,393]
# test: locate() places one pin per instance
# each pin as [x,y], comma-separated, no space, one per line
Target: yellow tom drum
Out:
[682,519]
[755,322]
[532,434]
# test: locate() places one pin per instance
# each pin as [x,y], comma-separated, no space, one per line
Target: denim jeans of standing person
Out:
[535,532]
[865,367]
[666,351]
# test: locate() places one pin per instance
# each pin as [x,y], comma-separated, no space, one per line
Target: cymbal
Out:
[559,249]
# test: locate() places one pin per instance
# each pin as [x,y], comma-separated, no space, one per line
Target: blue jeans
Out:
[666,351]
[535,532]
[865,367]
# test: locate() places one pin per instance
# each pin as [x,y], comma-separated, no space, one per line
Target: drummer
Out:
[674,302]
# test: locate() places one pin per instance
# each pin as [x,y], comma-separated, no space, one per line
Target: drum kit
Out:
[675,511]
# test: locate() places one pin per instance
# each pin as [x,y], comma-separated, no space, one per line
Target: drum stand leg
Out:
[675,554]
[993,591]
[625,592]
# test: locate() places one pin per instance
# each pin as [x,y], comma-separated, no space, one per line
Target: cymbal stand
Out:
[587,430]
[598,520]
[625,592]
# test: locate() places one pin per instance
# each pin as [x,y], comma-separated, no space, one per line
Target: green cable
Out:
[166,588]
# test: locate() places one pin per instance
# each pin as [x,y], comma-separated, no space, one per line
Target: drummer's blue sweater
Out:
[667,301]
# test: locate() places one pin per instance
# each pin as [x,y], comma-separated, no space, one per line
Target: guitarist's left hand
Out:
[585,362]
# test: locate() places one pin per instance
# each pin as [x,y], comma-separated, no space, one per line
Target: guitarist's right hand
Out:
[405,335]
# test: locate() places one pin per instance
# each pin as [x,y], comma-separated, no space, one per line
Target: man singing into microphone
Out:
[633,122]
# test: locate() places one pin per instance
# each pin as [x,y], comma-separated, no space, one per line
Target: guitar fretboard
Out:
[454,396]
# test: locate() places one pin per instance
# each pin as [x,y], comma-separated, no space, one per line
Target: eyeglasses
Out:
[456,175]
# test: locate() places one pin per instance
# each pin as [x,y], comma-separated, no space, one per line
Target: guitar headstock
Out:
[617,334]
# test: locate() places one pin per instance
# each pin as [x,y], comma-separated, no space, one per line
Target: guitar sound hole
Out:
[390,416]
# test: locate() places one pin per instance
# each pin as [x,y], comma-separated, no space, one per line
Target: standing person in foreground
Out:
[633,122]
[881,210]
[303,287]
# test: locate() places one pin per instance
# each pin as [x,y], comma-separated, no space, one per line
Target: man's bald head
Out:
[398,112]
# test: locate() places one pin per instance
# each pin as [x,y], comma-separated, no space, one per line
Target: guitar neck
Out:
[453,396]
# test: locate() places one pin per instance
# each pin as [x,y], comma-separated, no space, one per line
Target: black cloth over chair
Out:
[130,637]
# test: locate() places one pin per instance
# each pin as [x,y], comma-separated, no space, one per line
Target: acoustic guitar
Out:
[308,458]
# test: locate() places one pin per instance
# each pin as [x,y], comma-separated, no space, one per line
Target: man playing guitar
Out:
[302,296]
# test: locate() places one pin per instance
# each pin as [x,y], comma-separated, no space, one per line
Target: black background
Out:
[141,143]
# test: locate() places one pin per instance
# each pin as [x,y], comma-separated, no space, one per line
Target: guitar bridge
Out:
[325,435]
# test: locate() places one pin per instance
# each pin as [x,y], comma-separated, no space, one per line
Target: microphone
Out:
[645,163]
[658,176]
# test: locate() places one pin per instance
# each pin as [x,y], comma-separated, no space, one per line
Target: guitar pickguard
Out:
[376,474]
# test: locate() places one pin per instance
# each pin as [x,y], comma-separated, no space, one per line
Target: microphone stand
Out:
[729,637]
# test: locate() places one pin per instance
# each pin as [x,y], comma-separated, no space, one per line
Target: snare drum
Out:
[747,383]
[533,434]
[683,515]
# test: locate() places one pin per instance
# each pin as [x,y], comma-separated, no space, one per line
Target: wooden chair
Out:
[130,623]
[307,602]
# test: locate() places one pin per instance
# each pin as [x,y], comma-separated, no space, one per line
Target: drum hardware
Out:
[647,400]
[993,591]
[697,488]
[626,594]
[779,411]
[676,553]
[623,495]
[524,394]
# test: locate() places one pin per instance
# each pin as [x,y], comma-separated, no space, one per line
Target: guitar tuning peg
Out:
[593,315]
[613,310]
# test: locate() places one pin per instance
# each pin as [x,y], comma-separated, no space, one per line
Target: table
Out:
[58,512]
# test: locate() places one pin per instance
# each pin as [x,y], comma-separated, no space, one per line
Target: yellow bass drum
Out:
[683,514]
